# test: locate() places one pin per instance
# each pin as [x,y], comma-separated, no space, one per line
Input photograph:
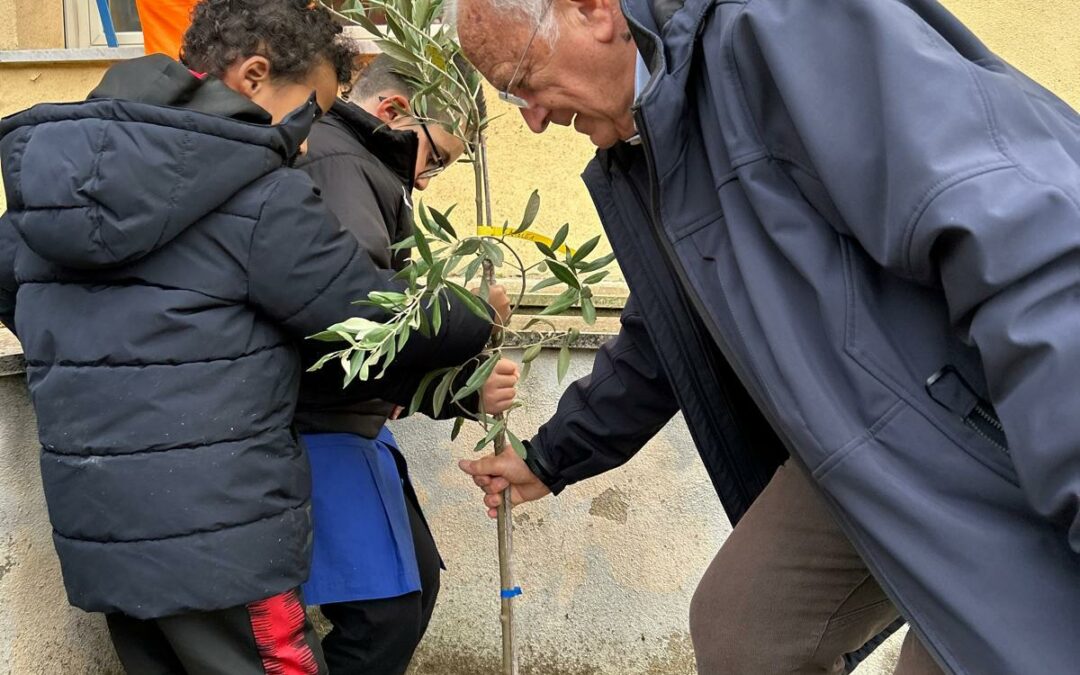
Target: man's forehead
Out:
[491,40]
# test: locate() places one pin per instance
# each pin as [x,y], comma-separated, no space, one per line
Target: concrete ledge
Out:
[74,56]
[591,337]
[11,357]
[85,55]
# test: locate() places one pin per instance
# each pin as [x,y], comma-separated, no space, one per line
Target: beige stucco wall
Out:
[39,632]
[31,24]
[608,568]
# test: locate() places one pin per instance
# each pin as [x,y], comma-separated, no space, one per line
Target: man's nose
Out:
[536,117]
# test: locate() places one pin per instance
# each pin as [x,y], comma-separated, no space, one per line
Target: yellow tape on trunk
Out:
[528,235]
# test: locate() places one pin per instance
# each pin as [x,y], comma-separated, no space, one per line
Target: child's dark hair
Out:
[292,34]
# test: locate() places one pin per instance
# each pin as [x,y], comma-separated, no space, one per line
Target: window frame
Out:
[83,27]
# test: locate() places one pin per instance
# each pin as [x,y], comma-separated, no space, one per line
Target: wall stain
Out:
[9,561]
[676,657]
[613,504]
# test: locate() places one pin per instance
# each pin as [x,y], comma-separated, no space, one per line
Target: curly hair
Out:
[294,35]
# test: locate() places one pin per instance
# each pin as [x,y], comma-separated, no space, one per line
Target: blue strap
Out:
[507,593]
[107,23]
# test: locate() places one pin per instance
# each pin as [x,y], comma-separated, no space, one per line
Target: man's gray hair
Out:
[532,12]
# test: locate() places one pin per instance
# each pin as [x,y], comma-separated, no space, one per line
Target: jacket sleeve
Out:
[305,272]
[349,196]
[8,287]
[948,168]
[605,418]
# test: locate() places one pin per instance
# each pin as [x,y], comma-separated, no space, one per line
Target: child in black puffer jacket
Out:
[159,262]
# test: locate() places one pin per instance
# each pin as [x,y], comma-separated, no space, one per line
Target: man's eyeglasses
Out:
[505,94]
[440,165]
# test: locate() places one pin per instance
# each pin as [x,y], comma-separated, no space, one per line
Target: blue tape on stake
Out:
[507,593]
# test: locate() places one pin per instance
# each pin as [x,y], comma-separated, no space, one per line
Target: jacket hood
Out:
[154,149]
[395,149]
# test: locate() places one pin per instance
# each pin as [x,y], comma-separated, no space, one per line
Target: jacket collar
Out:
[396,149]
[646,19]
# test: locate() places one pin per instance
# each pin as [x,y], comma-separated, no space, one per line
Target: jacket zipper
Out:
[951,391]
[692,296]
[987,425]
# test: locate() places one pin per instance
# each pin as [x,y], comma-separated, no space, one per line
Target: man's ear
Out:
[248,76]
[392,106]
[600,17]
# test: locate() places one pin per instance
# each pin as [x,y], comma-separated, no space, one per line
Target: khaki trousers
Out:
[787,593]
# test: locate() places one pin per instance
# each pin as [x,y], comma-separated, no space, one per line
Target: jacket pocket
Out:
[950,390]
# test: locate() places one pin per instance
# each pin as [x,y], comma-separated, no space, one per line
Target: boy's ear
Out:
[391,107]
[248,76]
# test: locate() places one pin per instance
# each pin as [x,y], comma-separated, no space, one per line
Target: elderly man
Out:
[851,219]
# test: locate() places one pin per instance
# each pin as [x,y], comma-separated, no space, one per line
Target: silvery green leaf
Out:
[588,311]
[534,321]
[561,303]
[564,361]
[423,247]
[458,424]
[560,237]
[442,390]
[444,223]
[327,336]
[531,209]
[475,304]
[493,252]
[597,264]
[357,325]
[477,379]
[515,442]
[473,268]
[420,391]
[436,315]
[408,242]
[563,273]
[323,360]
[531,352]
[498,427]
[585,249]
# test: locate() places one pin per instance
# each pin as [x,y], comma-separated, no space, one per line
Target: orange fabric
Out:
[163,24]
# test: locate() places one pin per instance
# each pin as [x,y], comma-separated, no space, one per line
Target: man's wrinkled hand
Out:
[495,473]
[500,390]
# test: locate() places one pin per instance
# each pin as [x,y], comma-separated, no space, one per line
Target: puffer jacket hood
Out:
[86,208]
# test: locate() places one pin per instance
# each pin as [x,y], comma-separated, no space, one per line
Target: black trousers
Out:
[268,636]
[378,637]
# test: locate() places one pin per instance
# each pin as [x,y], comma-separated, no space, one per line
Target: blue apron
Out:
[363,547]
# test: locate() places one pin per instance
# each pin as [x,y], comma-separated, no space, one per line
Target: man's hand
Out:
[495,473]
[500,390]
[499,301]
